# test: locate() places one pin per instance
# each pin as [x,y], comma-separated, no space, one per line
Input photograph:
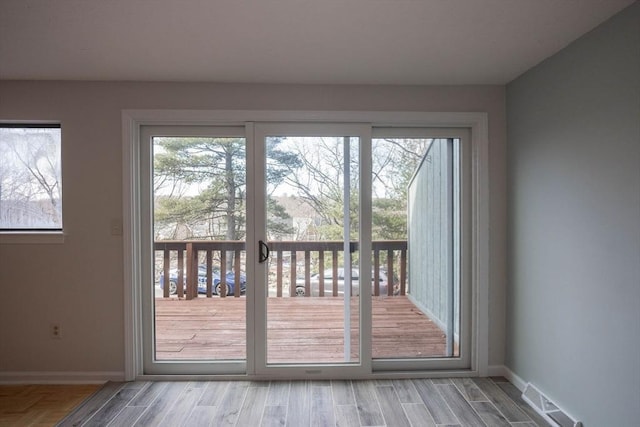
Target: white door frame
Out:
[151,365]
[133,120]
[316,370]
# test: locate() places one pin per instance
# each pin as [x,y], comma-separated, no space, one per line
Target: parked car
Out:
[328,283]
[202,281]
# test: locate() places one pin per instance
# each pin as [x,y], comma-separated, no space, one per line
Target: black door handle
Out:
[263,255]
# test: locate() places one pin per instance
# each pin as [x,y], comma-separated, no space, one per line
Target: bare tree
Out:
[320,181]
[30,178]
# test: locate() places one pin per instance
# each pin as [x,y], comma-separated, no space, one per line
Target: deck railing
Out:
[289,261]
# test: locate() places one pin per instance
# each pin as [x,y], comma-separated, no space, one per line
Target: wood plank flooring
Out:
[40,405]
[411,403]
[298,329]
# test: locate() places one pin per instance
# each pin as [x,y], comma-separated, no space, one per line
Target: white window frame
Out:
[37,236]
[477,122]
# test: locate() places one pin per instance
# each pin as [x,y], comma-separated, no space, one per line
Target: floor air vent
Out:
[547,409]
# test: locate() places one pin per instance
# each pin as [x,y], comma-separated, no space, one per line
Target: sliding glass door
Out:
[421,246]
[311,238]
[195,301]
[305,249]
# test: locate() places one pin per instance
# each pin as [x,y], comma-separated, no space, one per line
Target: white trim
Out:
[35,237]
[480,235]
[376,118]
[132,120]
[326,375]
[546,408]
[521,385]
[252,267]
[346,242]
[513,378]
[496,370]
[60,377]
[364,233]
[131,266]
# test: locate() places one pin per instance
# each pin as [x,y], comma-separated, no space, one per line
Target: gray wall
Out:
[79,283]
[573,304]
[431,246]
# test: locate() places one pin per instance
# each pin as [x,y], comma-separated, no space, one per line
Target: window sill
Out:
[37,237]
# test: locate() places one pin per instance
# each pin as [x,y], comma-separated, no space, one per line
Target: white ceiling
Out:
[290,41]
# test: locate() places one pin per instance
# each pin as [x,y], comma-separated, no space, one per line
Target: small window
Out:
[30,178]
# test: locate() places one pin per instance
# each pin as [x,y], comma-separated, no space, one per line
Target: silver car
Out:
[314,283]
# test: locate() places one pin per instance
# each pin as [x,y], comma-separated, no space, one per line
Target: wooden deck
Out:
[299,330]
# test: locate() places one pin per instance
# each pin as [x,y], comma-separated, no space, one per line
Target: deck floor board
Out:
[298,329]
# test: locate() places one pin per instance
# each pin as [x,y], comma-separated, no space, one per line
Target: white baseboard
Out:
[547,410]
[496,370]
[514,379]
[503,371]
[57,377]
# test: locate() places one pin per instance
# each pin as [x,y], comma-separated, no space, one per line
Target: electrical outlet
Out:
[55,330]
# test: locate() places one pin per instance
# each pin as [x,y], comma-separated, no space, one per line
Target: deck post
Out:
[192,272]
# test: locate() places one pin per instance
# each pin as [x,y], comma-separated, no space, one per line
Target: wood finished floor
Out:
[40,405]
[417,402]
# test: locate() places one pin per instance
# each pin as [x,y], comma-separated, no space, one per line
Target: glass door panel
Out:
[312,231]
[417,246]
[198,216]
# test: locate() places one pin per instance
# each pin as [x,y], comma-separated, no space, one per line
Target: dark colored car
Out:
[202,281]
